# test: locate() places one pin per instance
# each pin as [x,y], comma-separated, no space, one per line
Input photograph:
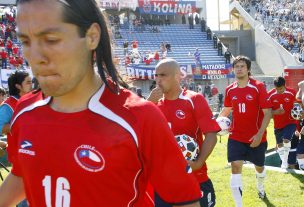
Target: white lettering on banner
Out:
[216,77]
[214,72]
[140,73]
[217,66]
[172,8]
[183,70]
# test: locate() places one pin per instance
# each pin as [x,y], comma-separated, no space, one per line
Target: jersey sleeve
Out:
[167,169]
[227,100]
[204,116]
[12,151]
[264,100]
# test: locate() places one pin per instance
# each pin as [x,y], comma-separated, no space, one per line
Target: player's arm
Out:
[204,115]
[11,191]
[225,111]
[300,91]
[256,139]
[206,149]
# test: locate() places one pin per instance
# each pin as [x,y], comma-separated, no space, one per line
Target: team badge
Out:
[89,158]
[180,114]
[249,97]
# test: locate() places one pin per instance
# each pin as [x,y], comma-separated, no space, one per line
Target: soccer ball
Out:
[224,124]
[188,146]
[296,111]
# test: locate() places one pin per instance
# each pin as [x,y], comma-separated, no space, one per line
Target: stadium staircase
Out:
[183,42]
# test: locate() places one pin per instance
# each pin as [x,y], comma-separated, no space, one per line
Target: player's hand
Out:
[302,131]
[302,115]
[195,165]
[155,95]
[297,134]
[3,144]
[279,111]
[256,140]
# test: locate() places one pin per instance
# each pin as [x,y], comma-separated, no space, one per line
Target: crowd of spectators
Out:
[10,52]
[283,20]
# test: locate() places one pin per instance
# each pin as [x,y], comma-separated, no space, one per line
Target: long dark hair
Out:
[83,13]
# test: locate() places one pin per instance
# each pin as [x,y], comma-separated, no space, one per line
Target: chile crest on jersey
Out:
[89,158]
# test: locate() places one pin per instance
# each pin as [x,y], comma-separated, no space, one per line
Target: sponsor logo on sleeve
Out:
[26,148]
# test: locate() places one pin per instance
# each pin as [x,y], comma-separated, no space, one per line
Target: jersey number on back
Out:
[63,197]
[242,108]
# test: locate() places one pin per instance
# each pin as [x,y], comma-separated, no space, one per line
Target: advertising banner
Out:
[144,73]
[117,4]
[162,7]
[212,71]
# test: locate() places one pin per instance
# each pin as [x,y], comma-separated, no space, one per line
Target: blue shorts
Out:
[285,133]
[292,157]
[208,198]
[242,151]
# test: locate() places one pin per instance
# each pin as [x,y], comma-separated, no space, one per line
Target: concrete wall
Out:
[270,55]
[240,42]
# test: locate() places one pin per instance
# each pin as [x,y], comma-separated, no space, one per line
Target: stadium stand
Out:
[282,20]
[183,43]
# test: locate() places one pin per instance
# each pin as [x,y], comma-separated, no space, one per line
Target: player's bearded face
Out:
[56,53]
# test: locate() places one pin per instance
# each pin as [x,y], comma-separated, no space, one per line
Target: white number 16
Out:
[63,197]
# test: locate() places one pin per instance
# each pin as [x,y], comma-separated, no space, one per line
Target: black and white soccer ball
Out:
[224,124]
[188,146]
[296,111]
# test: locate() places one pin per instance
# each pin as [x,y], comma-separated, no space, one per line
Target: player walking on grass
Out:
[251,112]
[83,140]
[187,112]
[282,99]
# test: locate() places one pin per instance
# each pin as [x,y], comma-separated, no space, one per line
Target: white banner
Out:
[117,4]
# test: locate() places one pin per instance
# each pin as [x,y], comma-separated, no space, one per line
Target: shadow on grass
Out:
[267,202]
[300,178]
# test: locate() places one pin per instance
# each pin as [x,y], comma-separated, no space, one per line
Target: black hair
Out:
[16,77]
[245,59]
[2,91]
[83,13]
[279,82]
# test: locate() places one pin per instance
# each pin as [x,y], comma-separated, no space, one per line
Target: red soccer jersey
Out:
[285,100]
[11,102]
[3,55]
[102,156]
[247,104]
[191,115]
